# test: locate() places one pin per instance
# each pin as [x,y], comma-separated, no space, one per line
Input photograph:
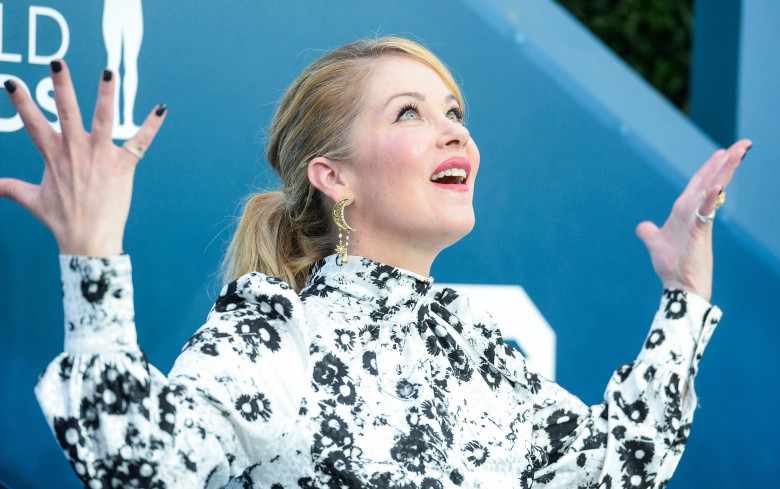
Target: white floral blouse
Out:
[368,378]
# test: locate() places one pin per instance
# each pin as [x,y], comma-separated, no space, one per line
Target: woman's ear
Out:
[329,177]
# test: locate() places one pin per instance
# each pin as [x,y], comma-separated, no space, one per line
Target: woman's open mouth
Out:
[452,173]
[451,176]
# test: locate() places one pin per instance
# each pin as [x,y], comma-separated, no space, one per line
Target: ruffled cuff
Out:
[98,301]
[681,330]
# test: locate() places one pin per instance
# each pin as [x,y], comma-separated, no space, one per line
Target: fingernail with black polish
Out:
[160,110]
[56,66]
[107,75]
[10,86]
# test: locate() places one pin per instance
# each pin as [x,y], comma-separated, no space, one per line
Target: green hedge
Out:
[653,36]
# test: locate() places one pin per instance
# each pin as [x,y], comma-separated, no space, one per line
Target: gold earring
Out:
[344,228]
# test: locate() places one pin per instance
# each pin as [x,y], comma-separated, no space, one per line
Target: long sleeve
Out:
[635,438]
[222,410]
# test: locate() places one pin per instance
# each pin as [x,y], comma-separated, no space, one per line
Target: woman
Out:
[349,371]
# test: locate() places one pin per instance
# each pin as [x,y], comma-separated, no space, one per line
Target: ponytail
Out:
[272,240]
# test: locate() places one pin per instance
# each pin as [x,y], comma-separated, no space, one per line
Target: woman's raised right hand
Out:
[87,184]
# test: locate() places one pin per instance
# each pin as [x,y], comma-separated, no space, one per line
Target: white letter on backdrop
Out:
[35,58]
[8,57]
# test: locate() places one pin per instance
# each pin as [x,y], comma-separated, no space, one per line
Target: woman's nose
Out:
[453,133]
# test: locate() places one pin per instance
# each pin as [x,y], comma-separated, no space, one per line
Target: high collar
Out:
[382,286]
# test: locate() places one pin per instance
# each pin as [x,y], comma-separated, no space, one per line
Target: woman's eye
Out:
[408,114]
[455,114]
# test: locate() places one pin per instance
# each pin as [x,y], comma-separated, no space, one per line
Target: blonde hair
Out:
[281,234]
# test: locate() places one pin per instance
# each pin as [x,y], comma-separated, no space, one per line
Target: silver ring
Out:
[705,219]
[136,151]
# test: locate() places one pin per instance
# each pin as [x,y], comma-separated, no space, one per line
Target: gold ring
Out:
[136,151]
[721,199]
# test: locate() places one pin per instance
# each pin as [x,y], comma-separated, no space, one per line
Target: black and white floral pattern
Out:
[368,378]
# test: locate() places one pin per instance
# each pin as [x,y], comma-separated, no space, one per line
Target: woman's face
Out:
[410,131]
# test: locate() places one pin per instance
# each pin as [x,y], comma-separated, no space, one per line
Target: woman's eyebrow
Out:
[419,96]
[416,95]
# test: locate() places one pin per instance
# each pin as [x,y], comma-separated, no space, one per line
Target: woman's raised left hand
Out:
[681,250]
[87,182]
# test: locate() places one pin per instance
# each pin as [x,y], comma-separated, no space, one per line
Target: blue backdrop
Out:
[565,177]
